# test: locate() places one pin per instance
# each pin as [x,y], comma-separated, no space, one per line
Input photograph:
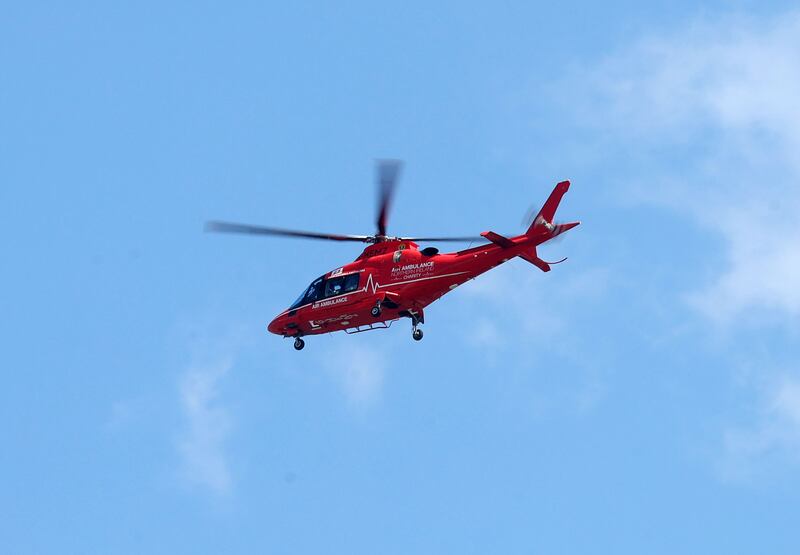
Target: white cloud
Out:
[726,94]
[529,325]
[763,270]
[123,413]
[359,370]
[527,300]
[711,113]
[207,427]
[775,438]
[486,333]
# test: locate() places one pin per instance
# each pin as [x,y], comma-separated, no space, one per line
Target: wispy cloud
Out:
[527,301]
[207,426]
[360,371]
[123,413]
[773,439]
[486,333]
[520,317]
[724,94]
[710,113]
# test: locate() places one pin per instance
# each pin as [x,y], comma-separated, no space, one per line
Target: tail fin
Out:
[543,222]
[544,219]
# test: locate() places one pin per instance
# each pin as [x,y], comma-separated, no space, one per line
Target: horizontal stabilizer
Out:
[498,239]
[558,229]
[536,261]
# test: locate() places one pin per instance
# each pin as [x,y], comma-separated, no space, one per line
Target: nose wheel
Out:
[299,344]
[416,334]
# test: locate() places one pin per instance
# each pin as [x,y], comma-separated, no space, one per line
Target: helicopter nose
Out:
[276,326]
[283,324]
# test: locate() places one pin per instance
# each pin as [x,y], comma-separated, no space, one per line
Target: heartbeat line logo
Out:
[372,285]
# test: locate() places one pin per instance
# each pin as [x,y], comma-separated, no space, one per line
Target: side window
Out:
[338,285]
[334,286]
[351,282]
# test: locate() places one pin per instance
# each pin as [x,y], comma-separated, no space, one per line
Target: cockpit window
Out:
[339,285]
[322,288]
[310,295]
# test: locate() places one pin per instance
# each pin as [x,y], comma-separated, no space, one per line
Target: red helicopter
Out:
[393,278]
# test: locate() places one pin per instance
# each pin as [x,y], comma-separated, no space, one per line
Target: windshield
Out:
[322,289]
[311,294]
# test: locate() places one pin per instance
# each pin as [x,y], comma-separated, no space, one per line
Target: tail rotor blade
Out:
[530,214]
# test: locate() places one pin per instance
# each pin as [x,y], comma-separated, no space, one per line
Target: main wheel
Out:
[376,311]
[299,344]
[417,334]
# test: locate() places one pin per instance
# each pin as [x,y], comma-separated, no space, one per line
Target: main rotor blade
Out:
[387,173]
[228,227]
[443,239]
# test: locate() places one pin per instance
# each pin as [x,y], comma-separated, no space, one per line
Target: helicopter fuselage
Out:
[394,279]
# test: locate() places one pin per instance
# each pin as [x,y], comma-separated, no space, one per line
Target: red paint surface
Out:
[397,273]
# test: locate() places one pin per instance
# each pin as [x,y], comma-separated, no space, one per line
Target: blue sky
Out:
[642,397]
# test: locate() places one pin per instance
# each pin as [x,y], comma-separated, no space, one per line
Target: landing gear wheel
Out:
[376,311]
[299,344]
[417,334]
